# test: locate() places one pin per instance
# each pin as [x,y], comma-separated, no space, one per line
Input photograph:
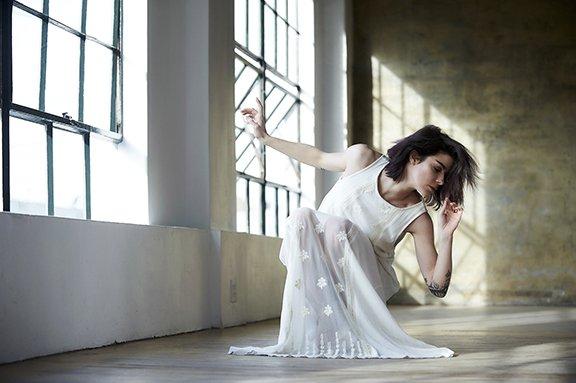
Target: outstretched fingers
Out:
[248,111]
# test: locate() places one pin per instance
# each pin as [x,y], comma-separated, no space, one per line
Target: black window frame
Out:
[258,63]
[51,121]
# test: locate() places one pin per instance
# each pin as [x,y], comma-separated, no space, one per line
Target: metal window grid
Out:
[268,72]
[51,121]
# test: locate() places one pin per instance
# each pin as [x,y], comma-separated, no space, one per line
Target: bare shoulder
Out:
[421,226]
[358,156]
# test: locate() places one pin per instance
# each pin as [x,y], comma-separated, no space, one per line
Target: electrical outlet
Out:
[233,295]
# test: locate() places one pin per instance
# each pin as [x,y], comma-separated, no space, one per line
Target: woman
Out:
[339,258]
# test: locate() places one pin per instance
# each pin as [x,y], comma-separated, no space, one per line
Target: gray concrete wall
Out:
[178,113]
[331,101]
[68,284]
[499,76]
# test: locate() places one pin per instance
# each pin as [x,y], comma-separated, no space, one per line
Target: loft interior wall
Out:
[500,77]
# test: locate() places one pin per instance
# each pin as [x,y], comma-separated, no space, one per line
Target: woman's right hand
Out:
[255,118]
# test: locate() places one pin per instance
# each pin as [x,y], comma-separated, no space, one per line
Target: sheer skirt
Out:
[334,299]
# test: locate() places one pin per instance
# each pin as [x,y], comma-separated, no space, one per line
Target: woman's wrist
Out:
[265,139]
[445,236]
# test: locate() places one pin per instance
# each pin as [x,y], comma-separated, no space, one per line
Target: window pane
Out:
[282,211]
[62,72]
[241,205]
[292,55]
[306,19]
[254,27]
[98,85]
[281,8]
[255,208]
[306,67]
[282,41]
[279,167]
[269,37]
[278,108]
[270,211]
[293,201]
[247,149]
[34,4]
[28,174]
[69,174]
[293,13]
[240,21]
[67,12]
[248,158]
[100,20]
[26,41]
[247,83]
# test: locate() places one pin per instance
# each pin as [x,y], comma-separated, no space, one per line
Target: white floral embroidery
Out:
[319,228]
[321,282]
[298,283]
[341,262]
[305,311]
[328,310]
[339,287]
[341,235]
[304,255]
[297,224]
[300,225]
[356,208]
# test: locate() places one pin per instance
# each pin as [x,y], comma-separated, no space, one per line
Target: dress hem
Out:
[320,356]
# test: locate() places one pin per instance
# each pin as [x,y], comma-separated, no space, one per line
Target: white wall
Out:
[67,284]
[178,102]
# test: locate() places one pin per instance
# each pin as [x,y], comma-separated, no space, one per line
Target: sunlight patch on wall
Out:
[398,110]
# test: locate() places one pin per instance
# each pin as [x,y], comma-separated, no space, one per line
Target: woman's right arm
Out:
[310,155]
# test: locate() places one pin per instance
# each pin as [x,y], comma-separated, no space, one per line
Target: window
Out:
[273,61]
[61,83]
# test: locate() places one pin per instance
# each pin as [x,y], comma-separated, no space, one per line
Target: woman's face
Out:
[428,175]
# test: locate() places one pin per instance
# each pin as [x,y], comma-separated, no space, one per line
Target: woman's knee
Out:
[337,225]
[302,214]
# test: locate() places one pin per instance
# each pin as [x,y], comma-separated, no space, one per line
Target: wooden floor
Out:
[523,344]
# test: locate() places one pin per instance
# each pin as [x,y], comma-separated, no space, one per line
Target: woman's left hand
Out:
[449,217]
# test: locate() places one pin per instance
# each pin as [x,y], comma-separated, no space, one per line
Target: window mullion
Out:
[263,151]
[6,82]
[86,137]
[276,211]
[248,204]
[275,35]
[82,66]
[50,167]
[115,59]
[43,57]
[247,24]
[287,202]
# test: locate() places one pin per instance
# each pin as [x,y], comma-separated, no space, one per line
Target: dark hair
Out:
[429,141]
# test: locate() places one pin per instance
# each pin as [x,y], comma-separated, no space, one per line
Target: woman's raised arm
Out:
[310,155]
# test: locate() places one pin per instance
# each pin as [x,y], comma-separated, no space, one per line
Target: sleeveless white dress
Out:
[339,277]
